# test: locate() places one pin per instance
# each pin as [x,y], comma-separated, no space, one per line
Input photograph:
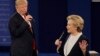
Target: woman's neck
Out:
[75,33]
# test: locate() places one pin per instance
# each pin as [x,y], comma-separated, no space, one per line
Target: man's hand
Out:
[28,18]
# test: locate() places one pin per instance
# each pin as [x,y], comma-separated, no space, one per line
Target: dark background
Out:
[95,15]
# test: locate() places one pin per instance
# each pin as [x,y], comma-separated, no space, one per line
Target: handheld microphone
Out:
[61,35]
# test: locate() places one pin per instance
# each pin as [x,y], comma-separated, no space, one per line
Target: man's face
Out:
[22,8]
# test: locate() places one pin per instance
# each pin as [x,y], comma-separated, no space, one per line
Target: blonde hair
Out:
[78,21]
[20,2]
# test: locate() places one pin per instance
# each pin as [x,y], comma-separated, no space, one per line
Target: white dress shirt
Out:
[70,43]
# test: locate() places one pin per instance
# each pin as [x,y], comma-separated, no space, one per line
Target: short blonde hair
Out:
[78,21]
[20,2]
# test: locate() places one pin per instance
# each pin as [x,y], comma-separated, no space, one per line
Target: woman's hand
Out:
[83,45]
[58,43]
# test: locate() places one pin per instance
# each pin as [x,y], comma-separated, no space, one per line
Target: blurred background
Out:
[50,16]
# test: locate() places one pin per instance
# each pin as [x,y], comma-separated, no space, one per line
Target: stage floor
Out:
[41,54]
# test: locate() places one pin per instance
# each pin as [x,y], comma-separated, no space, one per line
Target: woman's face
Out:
[70,26]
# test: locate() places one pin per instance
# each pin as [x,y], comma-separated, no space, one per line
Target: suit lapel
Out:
[77,43]
[20,18]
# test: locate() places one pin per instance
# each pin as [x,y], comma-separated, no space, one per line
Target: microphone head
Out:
[61,35]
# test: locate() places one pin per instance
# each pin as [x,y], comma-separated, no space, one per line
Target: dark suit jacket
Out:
[21,36]
[76,51]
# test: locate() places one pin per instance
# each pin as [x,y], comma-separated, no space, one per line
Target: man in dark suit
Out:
[22,31]
[75,44]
